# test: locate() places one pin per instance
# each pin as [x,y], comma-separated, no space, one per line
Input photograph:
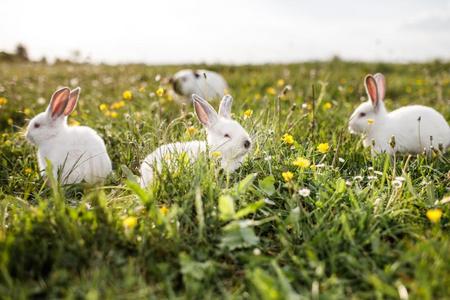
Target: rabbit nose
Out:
[247,144]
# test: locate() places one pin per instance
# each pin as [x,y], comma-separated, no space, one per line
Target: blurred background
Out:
[228,32]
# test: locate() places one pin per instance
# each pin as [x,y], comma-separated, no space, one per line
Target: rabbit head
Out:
[52,122]
[184,82]
[372,111]
[223,133]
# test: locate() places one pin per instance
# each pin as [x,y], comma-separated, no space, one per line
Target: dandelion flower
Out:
[103,107]
[327,105]
[74,122]
[3,101]
[164,210]
[27,111]
[280,82]
[287,176]
[323,147]
[434,215]
[118,104]
[28,171]
[288,139]
[271,91]
[160,92]
[248,113]
[304,192]
[301,162]
[216,154]
[127,95]
[129,222]
[370,121]
[114,114]
[191,130]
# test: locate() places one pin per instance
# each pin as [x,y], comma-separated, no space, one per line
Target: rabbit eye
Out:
[362,114]
[37,125]
[226,135]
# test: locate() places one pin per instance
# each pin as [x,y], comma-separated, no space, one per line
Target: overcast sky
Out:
[231,31]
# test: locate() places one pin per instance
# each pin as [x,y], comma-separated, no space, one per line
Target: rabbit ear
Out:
[381,86]
[58,102]
[371,89]
[206,114]
[73,99]
[225,106]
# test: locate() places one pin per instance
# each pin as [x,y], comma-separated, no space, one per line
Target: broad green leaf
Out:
[267,185]
[340,186]
[250,209]
[226,208]
[245,183]
[239,234]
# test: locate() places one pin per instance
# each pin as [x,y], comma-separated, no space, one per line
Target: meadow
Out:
[309,215]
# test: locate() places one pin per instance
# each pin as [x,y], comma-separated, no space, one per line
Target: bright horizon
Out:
[228,32]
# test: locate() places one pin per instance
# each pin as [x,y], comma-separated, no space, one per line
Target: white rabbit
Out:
[223,135]
[207,84]
[411,129]
[77,153]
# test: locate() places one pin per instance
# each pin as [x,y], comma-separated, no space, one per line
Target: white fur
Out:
[207,84]
[411,135]
[223,135]
[77,153]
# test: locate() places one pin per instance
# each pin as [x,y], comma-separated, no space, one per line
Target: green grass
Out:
[203,234]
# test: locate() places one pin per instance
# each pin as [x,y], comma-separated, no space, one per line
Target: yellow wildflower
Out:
[164,210]
[10,121]
[127,95]
[118,104]
[370,121]
[129,222]
[258,96]
[216,154]
[434,215]
[114,114]
[191,130]
[248,113]
[323,147]
[327,105]
[28,171]
[3,101]
[280,82]
[27,111]
[271,91]
[103,107]
[142,89]
[74,122]
[160,92]
[287,176]
[288,139]
[301,162]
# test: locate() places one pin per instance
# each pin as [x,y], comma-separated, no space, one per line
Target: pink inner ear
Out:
[59,102]
[201,113]
[381,85]
[73,99]
[371,87]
